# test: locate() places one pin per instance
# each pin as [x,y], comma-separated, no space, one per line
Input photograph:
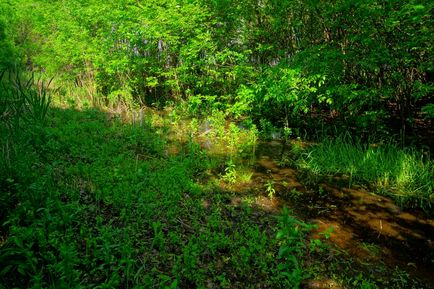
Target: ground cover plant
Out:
[216,144]
[104,204]
[95,202]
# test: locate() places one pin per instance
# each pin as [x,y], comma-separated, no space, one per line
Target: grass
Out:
[403,174]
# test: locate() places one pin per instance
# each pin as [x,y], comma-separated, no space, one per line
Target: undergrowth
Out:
[102,204]
[91,201]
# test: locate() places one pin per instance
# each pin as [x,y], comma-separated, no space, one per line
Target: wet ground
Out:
[369,227]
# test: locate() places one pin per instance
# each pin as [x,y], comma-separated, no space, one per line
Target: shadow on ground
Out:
[369,227]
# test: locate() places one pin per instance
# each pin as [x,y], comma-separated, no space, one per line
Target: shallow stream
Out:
[368,227]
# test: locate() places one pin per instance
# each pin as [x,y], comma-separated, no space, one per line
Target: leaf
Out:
[280,234]
[283,251]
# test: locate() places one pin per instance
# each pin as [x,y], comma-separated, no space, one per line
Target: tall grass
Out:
[404,174]
[24,101]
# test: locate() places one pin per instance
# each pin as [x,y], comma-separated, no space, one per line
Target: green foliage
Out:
[288,89]
[8,53]
[403,174]
[428,110]
[90,201]
[268,60]
[24,104]
[230,175]
[269,188]
[97,202]
[292,237]
[101,203]
[244,100]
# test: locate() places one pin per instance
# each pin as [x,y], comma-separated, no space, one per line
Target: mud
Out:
[367,226]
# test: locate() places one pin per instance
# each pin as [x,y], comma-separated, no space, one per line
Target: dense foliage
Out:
[99,191]
[365,65]
[91,202]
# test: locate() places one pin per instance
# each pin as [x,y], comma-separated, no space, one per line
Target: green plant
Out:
[90,200]
[295,194]
[230,175]
[285,160]
[287,133]
[268,130]
[372,248]
[293,246]
[22,99]
[244,100]
[269,188]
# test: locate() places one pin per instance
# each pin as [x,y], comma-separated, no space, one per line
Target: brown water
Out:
[371,228]
[367,226]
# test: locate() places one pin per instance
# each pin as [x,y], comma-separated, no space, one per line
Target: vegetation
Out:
[130,130]
[402,174]
[296,63]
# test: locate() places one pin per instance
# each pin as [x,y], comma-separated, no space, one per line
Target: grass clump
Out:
[404,174]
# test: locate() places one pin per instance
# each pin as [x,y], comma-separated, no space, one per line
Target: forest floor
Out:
[371,228]
[152,200]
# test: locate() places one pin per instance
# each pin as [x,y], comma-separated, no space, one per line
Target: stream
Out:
[367,226]
[370,228]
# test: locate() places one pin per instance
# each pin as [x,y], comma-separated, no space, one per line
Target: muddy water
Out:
[367,226]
